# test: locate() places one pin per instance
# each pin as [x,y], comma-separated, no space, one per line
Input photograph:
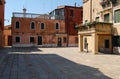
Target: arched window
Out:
[17,25]
[32,25]
[42,26]
[57,26]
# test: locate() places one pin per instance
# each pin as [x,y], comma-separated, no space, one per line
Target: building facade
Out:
[7,35]
[116,26]
[45,30]
[95,34]
[2,4]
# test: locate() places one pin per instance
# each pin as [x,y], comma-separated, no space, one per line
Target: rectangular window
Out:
[107,17]
[17,39]
[107,43]
[31,39]
[71,13]
[117,16]
[116,41]
[65,39]
[17,25]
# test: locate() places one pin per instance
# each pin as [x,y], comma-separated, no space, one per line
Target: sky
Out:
[35,6]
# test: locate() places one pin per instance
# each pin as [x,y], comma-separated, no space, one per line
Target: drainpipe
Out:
[90,10]
[112,27]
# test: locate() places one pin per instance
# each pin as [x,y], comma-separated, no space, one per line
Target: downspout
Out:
[90,10]
[112,27]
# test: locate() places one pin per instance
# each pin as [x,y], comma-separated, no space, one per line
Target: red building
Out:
[2,3]
[55,29]
[7,35]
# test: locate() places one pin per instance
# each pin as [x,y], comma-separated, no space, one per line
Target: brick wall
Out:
[1,21]
[49,34]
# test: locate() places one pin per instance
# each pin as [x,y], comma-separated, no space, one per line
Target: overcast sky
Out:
[34,6]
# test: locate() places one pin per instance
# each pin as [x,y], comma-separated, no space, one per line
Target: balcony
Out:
[105,3]
[99,27]
[30,15]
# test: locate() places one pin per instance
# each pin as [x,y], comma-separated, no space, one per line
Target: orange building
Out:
[7,36]
[55,29]
[2,3]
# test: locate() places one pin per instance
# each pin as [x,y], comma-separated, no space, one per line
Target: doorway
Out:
[59,42]
[9,40]
[39,40]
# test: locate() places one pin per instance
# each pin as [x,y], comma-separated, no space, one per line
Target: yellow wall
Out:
[89,41]
[101,43]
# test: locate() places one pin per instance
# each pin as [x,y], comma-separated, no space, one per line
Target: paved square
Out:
[57,63]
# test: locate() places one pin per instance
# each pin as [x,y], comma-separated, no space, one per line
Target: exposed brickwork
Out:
[1,21]
[49,36]
[7,35]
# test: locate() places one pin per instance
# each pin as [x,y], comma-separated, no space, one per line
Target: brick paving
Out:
[57,63]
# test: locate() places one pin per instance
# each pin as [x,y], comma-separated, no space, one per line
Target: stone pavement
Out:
[57,63]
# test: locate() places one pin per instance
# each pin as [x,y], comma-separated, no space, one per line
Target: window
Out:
[32,25]
[42,26]
[31,39]
[57,26]
[107,17]
[17,39]
[17,25]
[64,39]
[71,13]
[116,41]
[97,19]
[107,43]
[76,39]
[117,16]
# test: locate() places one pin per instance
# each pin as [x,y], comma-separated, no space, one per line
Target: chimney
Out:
[24,11]
[75,4]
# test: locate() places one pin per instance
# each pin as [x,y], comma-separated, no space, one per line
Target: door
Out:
[39,40]
[59,42]
[9,40]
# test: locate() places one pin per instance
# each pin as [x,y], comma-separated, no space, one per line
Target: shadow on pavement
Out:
[19,49]
[44,66]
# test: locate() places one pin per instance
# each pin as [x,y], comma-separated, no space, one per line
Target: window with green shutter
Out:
[117,16]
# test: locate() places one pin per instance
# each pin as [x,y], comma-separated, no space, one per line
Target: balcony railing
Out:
[95,26]
[30,15]
[43,16]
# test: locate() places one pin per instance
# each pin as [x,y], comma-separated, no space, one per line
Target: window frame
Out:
[41,26]
[32,41]
[31,27]
[108,18]
[57,27]
[116,18]
[17,41]
[17,26]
